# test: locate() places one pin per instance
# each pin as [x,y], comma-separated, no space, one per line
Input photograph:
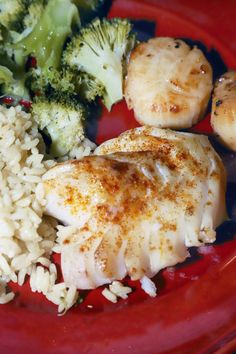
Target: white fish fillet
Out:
[137,205]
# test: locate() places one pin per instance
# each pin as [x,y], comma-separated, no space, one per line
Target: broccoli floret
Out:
[45,42]
[100,50]
[12,13]
[89,88]
[9,86]
[52,83]
[56,84]
[62,121]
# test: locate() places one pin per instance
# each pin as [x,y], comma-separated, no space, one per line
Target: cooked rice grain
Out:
[116,289]
[148,286]
[119,289]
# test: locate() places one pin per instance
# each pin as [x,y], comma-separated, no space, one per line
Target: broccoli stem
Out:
[109,74]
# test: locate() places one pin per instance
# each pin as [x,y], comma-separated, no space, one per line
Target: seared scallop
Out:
[223,115]
[136,205]
[168,84]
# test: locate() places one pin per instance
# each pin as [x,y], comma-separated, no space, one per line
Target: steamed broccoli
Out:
[45,42]
[9,86]
[88,88]
[62,121]
[64,83]
[100,50]
[12,13]
[52,83]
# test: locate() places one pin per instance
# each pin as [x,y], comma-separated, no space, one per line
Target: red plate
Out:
[195,310]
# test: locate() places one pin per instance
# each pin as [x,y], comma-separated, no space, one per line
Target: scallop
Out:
[223,115]
[168,83]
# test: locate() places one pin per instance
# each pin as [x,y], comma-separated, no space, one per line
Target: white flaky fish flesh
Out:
[136,205]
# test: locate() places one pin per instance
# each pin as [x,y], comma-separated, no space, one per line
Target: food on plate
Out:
[223,114]
[139,201]
[136,205]
[100,50]
[168,84]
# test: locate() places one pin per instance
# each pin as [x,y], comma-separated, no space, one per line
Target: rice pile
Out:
[26,236]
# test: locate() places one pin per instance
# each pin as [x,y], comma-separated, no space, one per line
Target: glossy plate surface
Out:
[195,310]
